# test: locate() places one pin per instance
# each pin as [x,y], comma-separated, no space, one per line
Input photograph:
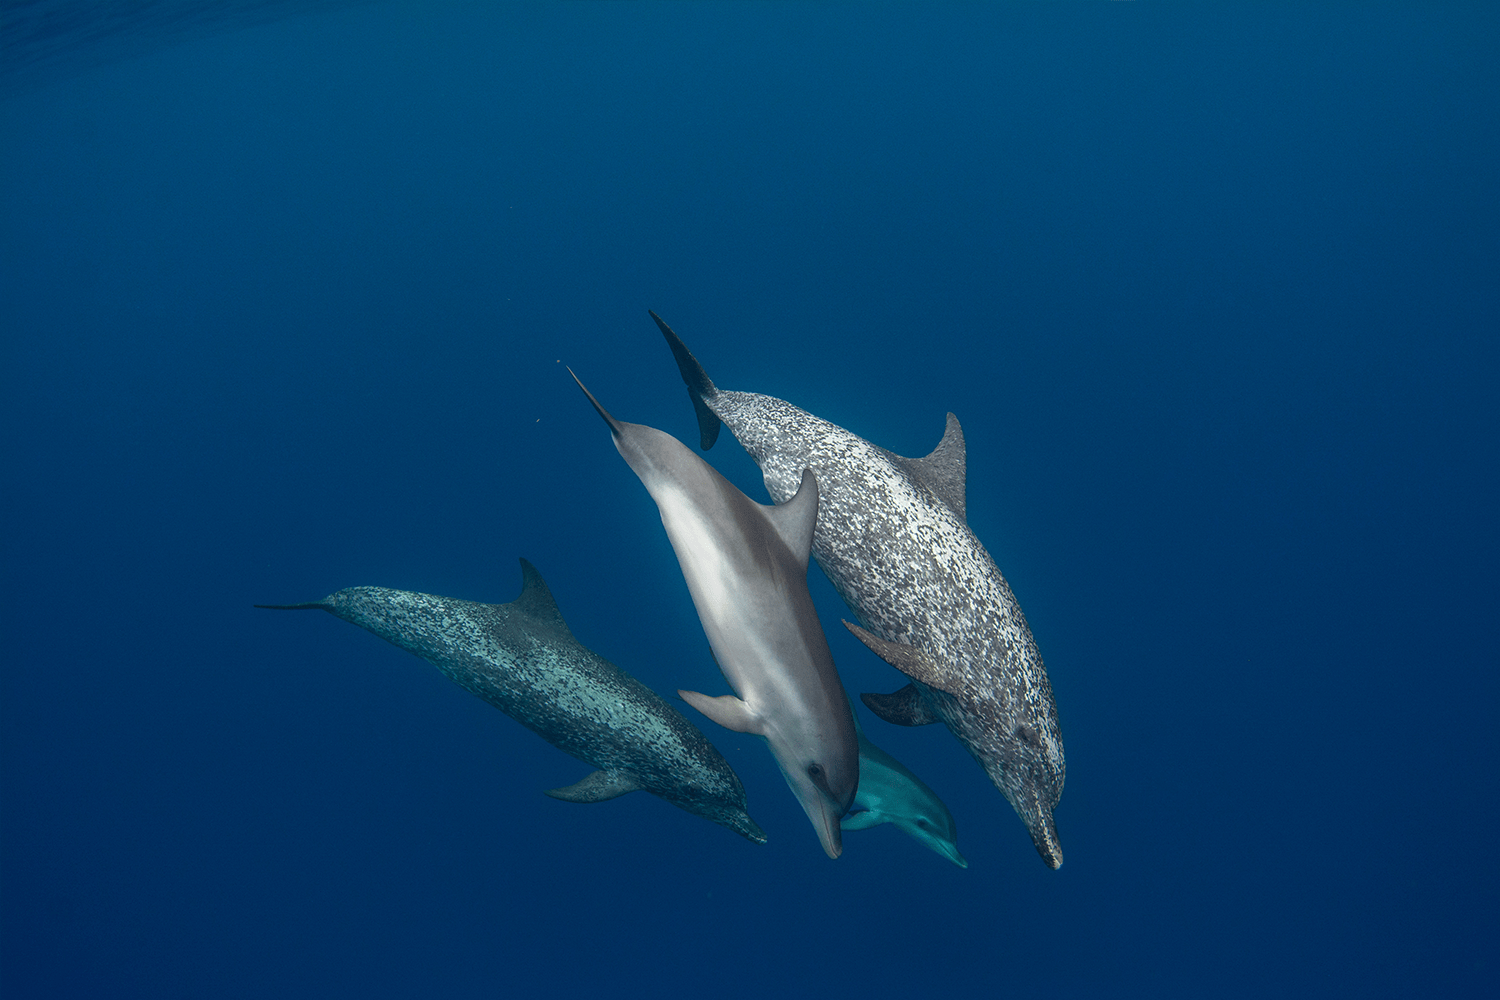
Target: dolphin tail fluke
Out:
[700,387]
[614,425]
[598,787]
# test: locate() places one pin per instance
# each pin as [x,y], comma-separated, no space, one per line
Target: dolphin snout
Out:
[830,834]
[1044,836]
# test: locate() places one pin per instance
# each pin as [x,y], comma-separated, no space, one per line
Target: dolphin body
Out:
[746,569]
[890,793]
[521,658]
[893,538]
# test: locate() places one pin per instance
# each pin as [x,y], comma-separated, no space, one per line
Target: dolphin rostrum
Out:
[522,658]
[893,538]
[746,569]
[890,793]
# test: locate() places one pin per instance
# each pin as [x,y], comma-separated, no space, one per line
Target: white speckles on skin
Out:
[535,671]
[912,572]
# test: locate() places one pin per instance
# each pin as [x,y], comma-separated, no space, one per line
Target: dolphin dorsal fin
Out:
[795,520]
[945,470]
[536,598]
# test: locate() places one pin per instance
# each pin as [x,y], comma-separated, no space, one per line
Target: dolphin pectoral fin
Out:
[910,660]
[862,820]
[901,708]
[795,520]
[699,385]
[727,710]
[598,787]
[945,471]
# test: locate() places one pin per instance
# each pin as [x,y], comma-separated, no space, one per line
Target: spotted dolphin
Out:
[893,537]
[890,793]
[746,569]
[522,658]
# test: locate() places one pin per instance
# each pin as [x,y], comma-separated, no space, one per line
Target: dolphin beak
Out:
[1044,836]
[829,832]
[950,851]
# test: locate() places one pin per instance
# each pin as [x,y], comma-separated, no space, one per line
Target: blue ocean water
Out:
[285,299]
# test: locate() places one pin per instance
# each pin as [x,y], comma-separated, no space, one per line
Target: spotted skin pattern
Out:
[521,658]
[893,538]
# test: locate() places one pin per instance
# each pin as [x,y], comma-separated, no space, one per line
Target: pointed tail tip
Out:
[700,387]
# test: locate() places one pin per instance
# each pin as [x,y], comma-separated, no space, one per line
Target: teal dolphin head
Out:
[890,793]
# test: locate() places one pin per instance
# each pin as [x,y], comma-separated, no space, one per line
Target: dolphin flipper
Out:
[727,710]
[699,385]
[901,708]
[601,786]
[910,660]
[862,820]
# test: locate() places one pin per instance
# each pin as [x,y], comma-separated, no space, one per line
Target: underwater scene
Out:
[749,499]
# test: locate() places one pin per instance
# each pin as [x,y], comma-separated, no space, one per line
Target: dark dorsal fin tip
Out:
[945,469]
[796,519]
[536,597]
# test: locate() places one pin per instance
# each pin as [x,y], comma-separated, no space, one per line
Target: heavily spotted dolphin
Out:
[893,537]
[746,569]
[890,793]
[522,658]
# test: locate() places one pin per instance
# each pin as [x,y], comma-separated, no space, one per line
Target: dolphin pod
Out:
[522,658]
[893,537]
[746,569]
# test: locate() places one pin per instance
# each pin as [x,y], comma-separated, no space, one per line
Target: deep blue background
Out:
[1215,292]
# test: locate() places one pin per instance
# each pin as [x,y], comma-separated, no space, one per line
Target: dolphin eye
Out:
[923,824]
[815,771]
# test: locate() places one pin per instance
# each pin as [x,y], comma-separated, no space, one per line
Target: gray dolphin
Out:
[890,793]
[746,568]
[893,537]
[521,658]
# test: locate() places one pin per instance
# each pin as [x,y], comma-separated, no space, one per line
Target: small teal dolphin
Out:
[522,658]
[746,569]
[890,793]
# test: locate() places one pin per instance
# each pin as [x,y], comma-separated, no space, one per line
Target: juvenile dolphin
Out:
[893,538]
[521,658]
[746,568]
[890,793]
